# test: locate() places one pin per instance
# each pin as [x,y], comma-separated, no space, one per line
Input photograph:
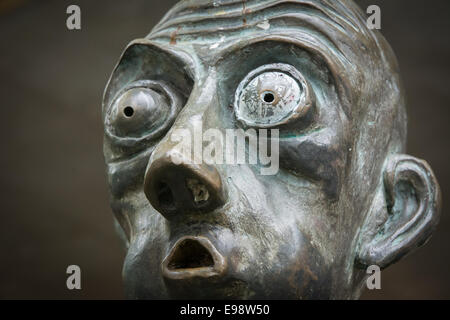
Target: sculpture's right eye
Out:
[138,112]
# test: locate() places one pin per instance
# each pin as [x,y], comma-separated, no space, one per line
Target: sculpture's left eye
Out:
[272,95]
[139,111]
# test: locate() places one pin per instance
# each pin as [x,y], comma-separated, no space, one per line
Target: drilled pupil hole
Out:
[268,97]
[165,197]
[128,111]
[190,254]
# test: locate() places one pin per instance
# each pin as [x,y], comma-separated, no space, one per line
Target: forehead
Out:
[214,23]
[214,17]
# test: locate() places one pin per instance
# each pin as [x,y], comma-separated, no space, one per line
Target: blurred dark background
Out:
[54,199]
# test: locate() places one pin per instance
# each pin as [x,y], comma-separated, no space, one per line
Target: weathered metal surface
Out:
[345,195]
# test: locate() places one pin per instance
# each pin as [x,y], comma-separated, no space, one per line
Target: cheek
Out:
[284,244]
[137,218]
[316,160]
[272,211]
[127,175]
[142,269]
[126,188]
[280,262]
[308,274]
[148,244]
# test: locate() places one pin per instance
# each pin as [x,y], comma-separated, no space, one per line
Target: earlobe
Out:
[408,216]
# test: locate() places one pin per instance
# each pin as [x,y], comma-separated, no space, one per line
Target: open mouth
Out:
[193,257]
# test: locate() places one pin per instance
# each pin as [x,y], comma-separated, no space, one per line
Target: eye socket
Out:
[272,95]
[141,110]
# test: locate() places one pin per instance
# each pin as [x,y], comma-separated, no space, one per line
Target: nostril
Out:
[165,197]
[190,254]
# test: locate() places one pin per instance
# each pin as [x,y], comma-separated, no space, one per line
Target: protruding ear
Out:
[403,217]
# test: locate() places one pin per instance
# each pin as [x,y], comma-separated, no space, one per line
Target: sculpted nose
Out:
[175,185]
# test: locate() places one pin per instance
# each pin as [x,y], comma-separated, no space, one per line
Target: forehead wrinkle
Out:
[203,26]
[214,29]
[217,19]
[282,24]
[196,10]
[243,10]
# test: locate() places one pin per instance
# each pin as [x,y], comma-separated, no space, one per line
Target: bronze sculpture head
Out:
[345,195]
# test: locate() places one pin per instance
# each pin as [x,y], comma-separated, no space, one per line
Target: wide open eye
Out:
[144,109]
[139,110]
[272,95]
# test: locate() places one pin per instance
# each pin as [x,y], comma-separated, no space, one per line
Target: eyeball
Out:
[272,95]
[139,111]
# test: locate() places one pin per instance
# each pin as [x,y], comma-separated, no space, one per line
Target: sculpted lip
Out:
[193,256]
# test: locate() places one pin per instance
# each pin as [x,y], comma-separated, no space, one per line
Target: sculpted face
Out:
[326,92]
